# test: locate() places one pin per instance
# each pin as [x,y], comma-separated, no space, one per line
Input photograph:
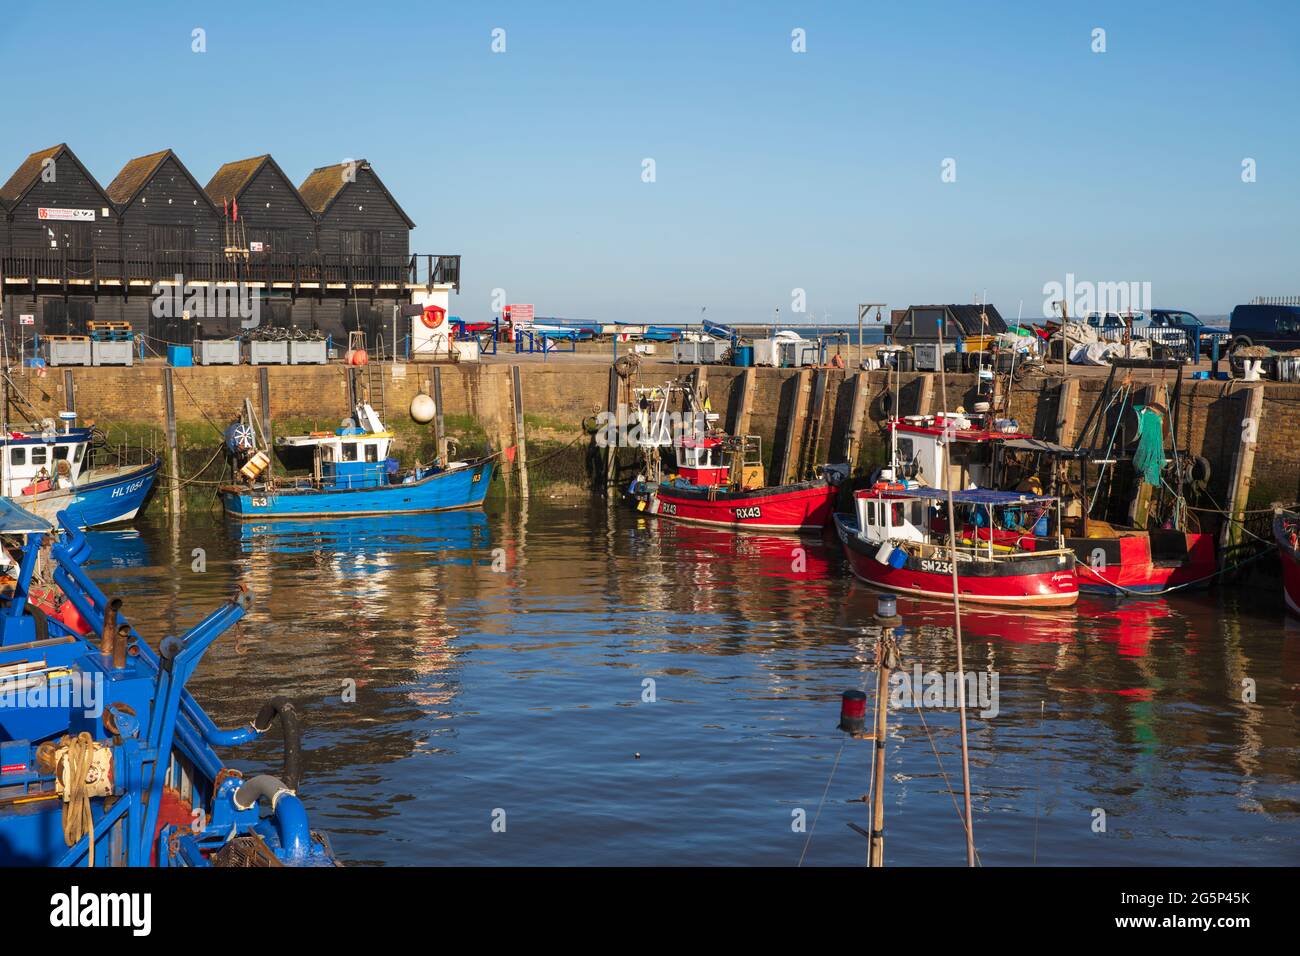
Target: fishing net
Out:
[1149,459]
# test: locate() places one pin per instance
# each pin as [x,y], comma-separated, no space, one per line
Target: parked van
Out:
[1276,326]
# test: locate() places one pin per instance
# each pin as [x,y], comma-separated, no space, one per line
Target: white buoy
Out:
[423,409]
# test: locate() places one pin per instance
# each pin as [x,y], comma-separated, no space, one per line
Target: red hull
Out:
[804,507]
[1284,531]
[1125,565]
[1041,587]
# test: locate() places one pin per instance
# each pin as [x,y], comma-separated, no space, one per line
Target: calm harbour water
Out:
[521,689]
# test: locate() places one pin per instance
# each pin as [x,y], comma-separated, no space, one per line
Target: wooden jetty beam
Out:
[1243,466]
[1067,410]
[173,453]
[743,410]
[857,413]
[786,461]
[521,444]
[439,423]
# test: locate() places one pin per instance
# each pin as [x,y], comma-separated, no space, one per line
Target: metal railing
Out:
[1182,344]
[42,267]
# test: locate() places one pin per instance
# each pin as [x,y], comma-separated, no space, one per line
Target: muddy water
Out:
[575,685]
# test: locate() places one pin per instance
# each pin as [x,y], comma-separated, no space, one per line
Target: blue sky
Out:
[774,170]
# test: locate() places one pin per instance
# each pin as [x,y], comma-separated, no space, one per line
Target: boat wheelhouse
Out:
[49,470]
[1007,547]
[955,450]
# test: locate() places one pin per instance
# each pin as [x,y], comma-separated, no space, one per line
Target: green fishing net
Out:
[1149,459]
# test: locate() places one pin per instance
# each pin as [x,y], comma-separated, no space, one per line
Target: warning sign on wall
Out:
[66,215]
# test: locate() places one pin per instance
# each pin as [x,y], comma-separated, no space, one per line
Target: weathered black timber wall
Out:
[363,204]
[270,203]
[70,188]
[170,198]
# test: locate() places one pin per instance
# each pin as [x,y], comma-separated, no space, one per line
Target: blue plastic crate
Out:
[180,356]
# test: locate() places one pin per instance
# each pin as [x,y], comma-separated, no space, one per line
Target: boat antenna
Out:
[956,607]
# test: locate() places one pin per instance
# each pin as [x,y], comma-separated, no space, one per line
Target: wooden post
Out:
[1067,408]
[853,435]
[611,405]
[69,391]
[264,387]
[925,399]
[439,424]
[745,407]
[173,453]
[787,461]
[521,445]
[886,659]
[1243,465]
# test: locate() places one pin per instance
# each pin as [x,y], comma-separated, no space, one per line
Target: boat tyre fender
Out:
[292,729]
[884,407]
[1200,473]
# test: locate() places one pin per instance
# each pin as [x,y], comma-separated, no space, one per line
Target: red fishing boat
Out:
[963,451]
[1286,531]
[898,540]
[717,479]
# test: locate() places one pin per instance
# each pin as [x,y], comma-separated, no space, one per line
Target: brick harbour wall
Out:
[130,404]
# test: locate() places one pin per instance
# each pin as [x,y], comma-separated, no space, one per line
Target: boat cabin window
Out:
[60,452]
[372,452]
[18,456]
[77,452]
[38,454]
[349,451]
[918,513]
[898,513]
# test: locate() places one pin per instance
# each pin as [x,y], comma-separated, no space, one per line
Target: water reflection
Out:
[508,661]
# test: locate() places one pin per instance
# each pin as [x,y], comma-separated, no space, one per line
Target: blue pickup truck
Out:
[1194,327]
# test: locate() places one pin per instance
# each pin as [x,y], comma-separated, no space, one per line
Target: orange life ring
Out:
[432,316]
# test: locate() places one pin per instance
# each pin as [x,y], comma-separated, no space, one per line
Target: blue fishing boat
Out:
[105,757]
[47,472]
[351,474]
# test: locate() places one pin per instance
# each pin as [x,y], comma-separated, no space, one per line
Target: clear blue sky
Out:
[774,170]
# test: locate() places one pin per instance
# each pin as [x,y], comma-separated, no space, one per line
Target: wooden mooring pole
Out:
[264,388]
[173,453]
[886,660]
[612,430]
[439,424]
[1243,466]
[521,444]
[853,434]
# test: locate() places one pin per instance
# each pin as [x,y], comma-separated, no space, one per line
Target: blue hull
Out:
[100,502]
[446,491]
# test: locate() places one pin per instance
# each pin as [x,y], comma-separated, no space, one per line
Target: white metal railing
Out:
[1275,300]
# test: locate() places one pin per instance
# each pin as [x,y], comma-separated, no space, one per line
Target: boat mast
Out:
[956,607]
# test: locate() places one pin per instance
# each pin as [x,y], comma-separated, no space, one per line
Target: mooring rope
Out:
[943,773]
[818,814]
